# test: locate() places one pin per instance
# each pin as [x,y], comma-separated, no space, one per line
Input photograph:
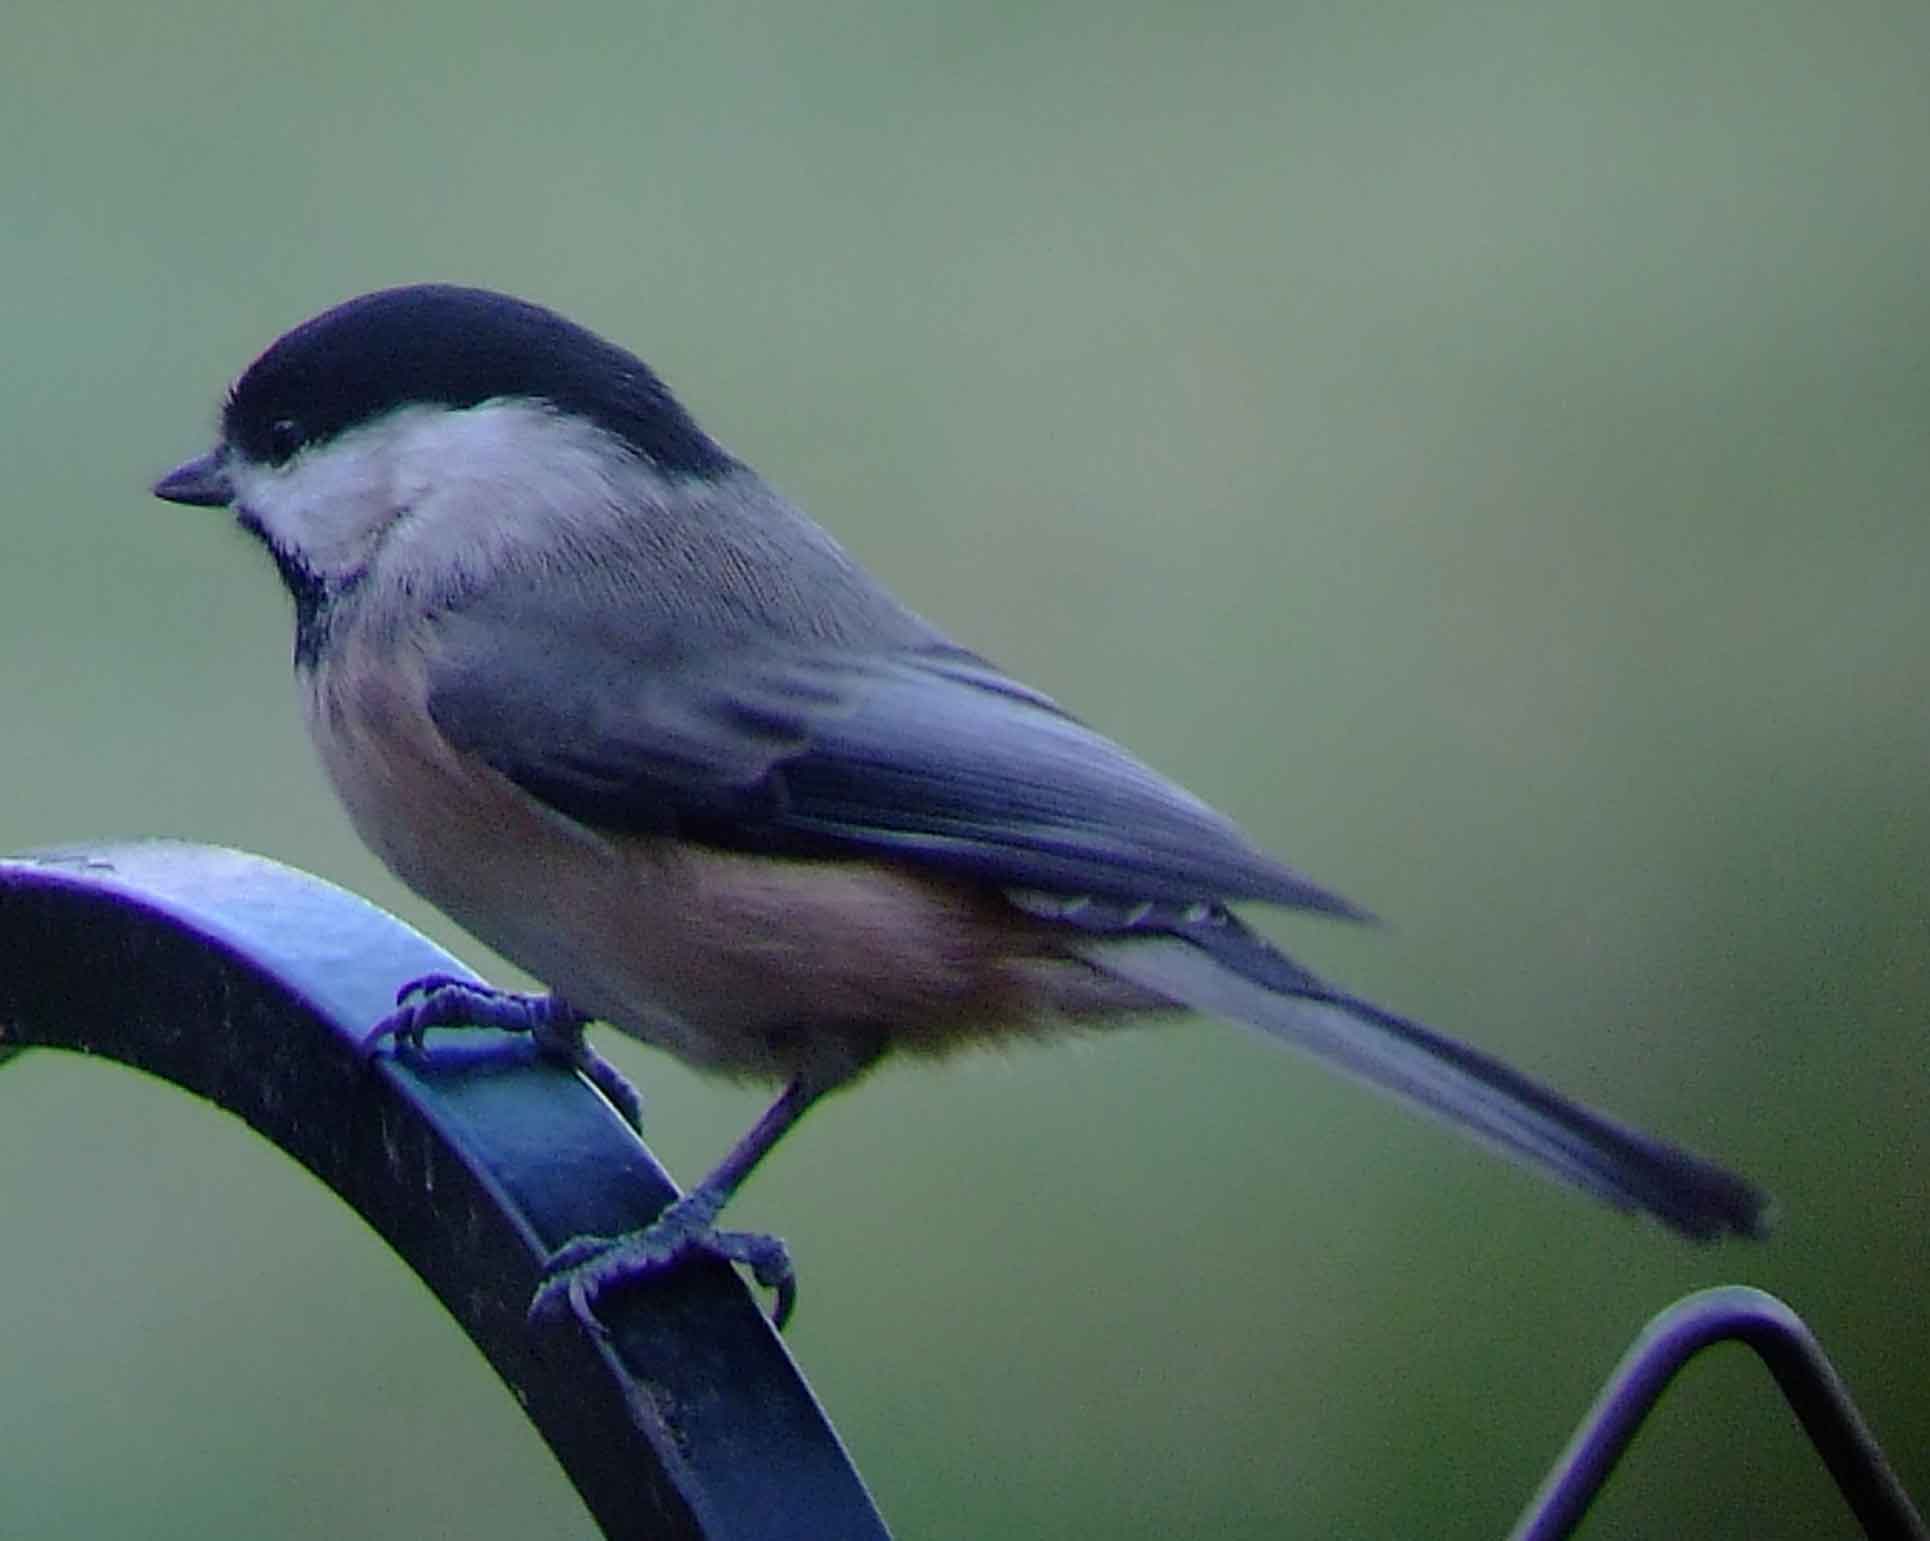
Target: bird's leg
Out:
[581,1271]
[553,1025]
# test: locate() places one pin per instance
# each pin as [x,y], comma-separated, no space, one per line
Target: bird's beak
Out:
[200,483]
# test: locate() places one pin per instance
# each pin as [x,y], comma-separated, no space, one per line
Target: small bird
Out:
[585,682]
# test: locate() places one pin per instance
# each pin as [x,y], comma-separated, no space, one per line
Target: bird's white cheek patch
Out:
[328,506]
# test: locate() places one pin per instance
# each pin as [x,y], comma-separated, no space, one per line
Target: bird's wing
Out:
[928,755]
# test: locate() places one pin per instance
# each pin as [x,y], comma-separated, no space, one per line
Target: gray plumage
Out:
[588,683]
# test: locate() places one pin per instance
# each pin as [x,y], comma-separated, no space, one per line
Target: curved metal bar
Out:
[1808,1380]
[249,983]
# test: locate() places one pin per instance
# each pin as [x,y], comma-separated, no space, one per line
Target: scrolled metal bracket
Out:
[249,984]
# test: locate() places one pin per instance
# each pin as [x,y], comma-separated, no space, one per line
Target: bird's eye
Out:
[284,438]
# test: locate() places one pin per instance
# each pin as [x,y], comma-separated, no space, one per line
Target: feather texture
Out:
[930,755]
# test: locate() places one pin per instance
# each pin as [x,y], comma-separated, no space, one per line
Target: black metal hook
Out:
[1808,1380]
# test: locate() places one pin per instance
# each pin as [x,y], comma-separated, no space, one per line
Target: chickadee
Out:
[590,686]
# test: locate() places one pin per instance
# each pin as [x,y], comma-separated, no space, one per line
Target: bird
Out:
[586,682]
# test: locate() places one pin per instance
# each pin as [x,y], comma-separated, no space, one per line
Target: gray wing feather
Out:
[927,754]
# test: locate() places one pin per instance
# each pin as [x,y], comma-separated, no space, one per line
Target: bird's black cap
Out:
[438,344]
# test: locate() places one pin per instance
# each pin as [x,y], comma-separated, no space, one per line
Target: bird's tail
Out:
[1232,972]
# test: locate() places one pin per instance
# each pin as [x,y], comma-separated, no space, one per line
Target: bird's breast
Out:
[736,962]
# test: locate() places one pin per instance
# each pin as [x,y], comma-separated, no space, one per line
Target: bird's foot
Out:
[581,1272]
[554,1026]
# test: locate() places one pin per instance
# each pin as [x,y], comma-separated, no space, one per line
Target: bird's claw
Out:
[443,1000]
[581,1272]
[428,984]
[553,1025]
[568,1044]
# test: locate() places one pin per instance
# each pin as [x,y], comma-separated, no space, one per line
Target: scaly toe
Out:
[769,1261]
[559,1034]
[617,1088]
[581,1272]
[428,984]
[403,1025]
[442,1000]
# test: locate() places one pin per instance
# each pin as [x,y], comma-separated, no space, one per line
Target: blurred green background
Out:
[1483,448]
